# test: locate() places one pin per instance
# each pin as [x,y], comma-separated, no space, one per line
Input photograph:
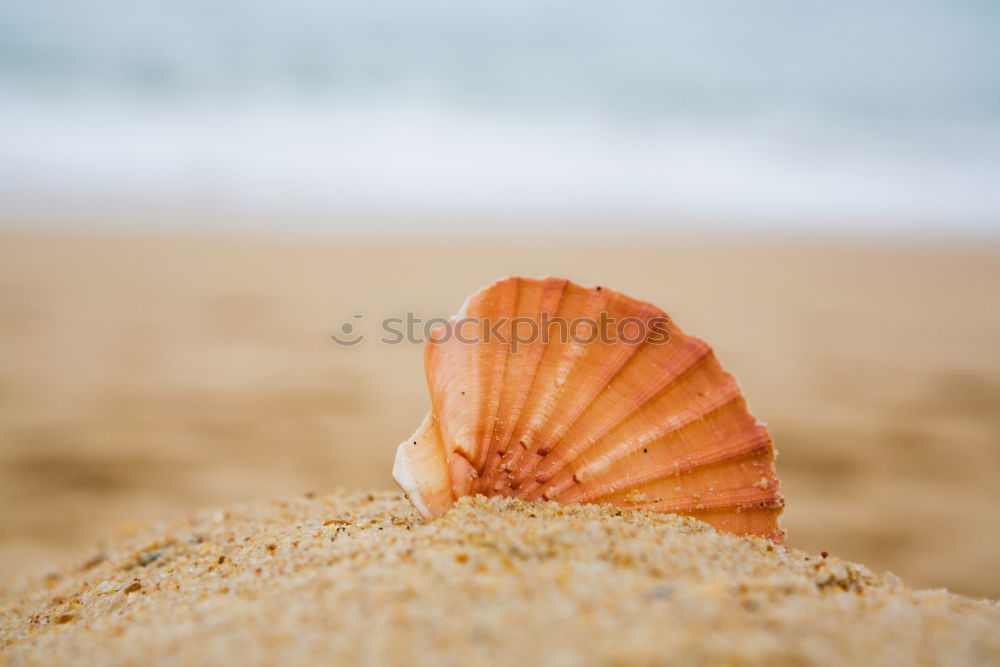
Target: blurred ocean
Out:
[865,116]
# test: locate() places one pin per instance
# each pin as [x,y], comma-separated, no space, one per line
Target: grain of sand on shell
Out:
[360,578]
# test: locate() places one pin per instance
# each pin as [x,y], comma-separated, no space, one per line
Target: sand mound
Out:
[352,578]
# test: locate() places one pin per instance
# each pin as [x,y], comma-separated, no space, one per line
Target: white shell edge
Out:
[405,479]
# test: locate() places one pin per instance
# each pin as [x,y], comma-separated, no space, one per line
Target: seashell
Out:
[543,389]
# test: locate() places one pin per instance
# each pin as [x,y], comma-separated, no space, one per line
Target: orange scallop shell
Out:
[614,405]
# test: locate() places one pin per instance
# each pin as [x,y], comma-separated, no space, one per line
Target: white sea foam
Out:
[403,161]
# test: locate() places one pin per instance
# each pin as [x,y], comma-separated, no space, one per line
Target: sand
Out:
[144,378]
[357,578]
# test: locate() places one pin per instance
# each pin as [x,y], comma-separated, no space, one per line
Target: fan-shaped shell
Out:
[642,416]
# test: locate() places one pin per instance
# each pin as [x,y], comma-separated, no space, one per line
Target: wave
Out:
[404,159]
[804,116]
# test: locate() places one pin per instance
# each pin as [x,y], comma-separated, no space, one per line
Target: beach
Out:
[227,231]
[146,377]
[361,579]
